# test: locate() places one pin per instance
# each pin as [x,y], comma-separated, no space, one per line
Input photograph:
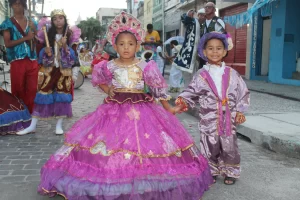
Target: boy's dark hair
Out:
[149,26]
[160,42]
[174,42]
[23,2]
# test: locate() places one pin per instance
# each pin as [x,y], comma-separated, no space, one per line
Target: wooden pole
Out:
[29,10]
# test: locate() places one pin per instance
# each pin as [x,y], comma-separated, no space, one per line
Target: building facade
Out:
[140,12]
[148,12]
[105,15]
[276,43]
[4,14]
[237,57]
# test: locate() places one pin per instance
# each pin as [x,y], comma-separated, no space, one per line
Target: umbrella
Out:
[180,39]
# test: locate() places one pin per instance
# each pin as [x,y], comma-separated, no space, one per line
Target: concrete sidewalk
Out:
[273,120]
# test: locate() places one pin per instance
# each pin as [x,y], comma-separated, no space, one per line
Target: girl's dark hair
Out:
[23,2]
[52,32]
[124,32]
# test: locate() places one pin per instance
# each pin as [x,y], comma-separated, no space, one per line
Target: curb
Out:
[276,144]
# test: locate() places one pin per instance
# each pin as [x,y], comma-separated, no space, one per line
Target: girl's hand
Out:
[29,36]
[171,110]
[32,26]
[64,41]
[191,13]
[240,118]
[178,109]
[48,51]
[110,91]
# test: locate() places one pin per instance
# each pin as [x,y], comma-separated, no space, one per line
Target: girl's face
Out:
[17,6]
[59,21]
[214,51]
[126,45]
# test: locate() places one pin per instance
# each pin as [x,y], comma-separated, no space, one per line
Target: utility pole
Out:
[33,6]
[163,20]
[43,1]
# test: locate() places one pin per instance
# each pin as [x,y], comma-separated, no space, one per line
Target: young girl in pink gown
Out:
[130,147]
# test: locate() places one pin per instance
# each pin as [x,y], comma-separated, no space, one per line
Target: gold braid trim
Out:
[111,152]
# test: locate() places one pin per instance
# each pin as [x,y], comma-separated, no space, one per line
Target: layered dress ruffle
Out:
[130,147]
[14,116]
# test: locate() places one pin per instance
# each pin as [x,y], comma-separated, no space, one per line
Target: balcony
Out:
[157,8]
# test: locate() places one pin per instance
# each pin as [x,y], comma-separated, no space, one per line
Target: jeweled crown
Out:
[122,23]
[58,12]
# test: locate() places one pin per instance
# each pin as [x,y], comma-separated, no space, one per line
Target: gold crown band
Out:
[58,12]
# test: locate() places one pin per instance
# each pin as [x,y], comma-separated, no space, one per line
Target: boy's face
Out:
[214,51]
[126,45]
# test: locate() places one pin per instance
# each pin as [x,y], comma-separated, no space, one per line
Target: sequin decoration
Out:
[168,145]
[100,147]
[127,156]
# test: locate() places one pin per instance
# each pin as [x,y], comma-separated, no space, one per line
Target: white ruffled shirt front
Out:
[216,72]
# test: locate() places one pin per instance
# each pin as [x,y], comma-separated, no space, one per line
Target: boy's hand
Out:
[240,118]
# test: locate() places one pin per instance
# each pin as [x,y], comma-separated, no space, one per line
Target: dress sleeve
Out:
[44,59]
[155,81]
[190,96]
[101,74]
[243,95]
[6,25]
[75,36]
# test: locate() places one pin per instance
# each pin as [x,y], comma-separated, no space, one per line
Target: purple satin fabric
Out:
[13,128]
[223,120]
[58,110]
[218,133]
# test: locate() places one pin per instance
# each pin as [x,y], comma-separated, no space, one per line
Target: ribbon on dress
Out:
[221,101]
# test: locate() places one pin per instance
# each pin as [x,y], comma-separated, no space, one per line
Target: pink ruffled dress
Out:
[130,147]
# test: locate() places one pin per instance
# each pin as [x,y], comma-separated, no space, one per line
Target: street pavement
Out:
[265,175]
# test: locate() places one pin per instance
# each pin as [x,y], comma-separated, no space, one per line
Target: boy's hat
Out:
[201,11]
[225,38]
[125,22]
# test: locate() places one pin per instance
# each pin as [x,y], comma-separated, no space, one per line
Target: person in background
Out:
[176,80]
[160,61]
[18,34]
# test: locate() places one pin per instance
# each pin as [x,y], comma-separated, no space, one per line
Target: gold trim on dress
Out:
[127,66]
[147,99]
[111,152]
[54,192]
[66,71]
[128,90]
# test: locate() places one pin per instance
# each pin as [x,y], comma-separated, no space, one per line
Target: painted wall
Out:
[285,33]
[292,41]
[148,11]
[3,10]
[277,41]
[220,4]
